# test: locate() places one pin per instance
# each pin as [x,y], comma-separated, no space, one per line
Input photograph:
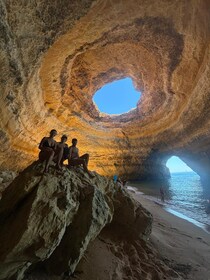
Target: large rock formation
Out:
[48,222]
[44,215]
[55,54]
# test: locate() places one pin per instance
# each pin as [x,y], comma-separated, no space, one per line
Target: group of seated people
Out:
[59,152]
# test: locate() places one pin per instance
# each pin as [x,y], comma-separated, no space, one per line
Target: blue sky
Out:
[117,97]
[175,164]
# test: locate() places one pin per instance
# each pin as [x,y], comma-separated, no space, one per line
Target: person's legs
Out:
[78,161]
[49,160]
[58,157]
[86,158]
[65,155]
[46,155]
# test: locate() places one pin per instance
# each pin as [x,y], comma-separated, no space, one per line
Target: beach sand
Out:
[181,244]
[176,250]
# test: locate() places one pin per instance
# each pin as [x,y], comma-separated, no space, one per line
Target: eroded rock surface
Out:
[54,55]
[49,220]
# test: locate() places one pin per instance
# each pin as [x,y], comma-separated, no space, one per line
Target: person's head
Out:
[74,141]
[53,133]
[64,138]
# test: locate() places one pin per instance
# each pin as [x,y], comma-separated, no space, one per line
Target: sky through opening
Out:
[120,97]
[175,165]
[117,97]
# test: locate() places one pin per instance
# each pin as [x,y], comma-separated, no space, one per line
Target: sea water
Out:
[185,196]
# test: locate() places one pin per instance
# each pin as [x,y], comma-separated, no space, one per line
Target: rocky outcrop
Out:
[6,177]
[55,55]
[49,220]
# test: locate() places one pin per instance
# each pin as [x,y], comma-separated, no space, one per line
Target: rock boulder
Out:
[50,219]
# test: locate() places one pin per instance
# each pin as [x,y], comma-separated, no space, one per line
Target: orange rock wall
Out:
[55,56]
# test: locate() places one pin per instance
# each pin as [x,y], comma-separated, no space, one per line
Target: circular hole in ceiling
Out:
[117,97]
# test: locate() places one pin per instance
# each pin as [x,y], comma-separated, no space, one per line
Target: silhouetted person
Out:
[63,146]
[162,194]
[74,158]
[208,206]
[124,182]
[50,150]
[119,181]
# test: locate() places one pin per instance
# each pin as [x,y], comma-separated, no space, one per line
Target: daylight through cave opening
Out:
[117,97]
[176,165]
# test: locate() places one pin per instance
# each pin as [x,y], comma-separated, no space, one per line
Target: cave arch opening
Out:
[117,97]
[176,165]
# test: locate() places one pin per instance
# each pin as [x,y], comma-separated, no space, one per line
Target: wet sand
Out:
[182,245]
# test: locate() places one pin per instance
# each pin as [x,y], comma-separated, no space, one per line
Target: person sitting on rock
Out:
[50,151]
[74,158]
[62,145]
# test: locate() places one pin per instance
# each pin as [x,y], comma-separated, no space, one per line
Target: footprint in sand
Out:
[201,239]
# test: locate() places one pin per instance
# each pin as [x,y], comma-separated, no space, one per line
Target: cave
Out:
[176,165]
[52,68]
[198,163]
[54,56]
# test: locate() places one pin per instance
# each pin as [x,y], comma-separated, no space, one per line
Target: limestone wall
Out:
[54,55]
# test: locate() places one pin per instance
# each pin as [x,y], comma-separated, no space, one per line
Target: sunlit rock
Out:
[55,56]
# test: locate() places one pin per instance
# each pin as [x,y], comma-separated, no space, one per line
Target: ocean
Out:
[185,196]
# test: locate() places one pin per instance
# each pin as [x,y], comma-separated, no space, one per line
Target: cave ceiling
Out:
[55,56]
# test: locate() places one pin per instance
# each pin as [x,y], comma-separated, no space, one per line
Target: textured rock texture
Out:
[54,55]
[49,220]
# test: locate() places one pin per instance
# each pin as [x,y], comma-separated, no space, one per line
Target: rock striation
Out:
[55,55]
[49,220]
